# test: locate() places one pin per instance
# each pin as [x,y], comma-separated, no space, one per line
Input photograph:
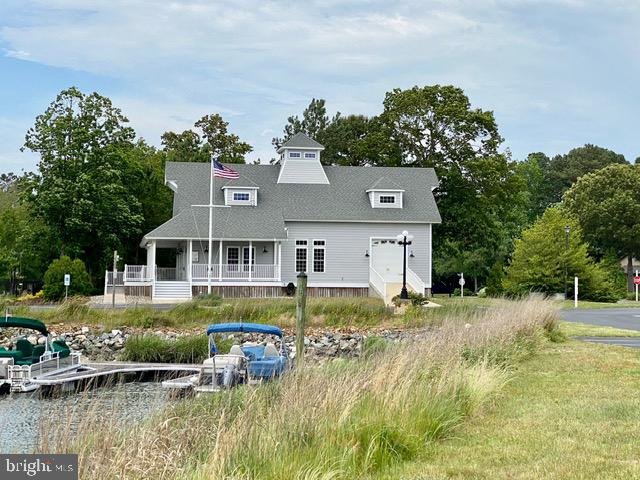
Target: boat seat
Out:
[25,347]
[11,354]
[61,347]
[236,350]
[270,350]
[38,350]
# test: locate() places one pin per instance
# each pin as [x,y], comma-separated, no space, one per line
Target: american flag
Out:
[222,171]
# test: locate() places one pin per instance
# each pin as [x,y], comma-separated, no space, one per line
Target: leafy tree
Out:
[7,180]
[435,126]
[540,256]
[534,171]
[54,278]
[190,146]
[81,190]
[495,280]
[605,202]
[564,170]
[313,123]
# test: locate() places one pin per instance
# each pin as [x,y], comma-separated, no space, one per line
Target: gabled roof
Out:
[384,183]
[301,140]
[344,199]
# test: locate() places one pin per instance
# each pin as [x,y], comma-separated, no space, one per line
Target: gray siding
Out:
[346,244]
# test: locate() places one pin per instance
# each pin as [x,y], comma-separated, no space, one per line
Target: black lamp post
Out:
[567,230]
[404,239]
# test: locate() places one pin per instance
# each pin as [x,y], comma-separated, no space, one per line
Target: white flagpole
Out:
[210,228]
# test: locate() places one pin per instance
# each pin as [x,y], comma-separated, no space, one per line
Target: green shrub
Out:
[495,288]
[54,288]
[416,298]
[185,349]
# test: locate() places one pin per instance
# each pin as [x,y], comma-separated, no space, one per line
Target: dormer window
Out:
[247,196]
[241,196]
[385,198]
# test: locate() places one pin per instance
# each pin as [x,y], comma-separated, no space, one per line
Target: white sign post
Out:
[461,282]
[635,283]
[575,292]
[67,282]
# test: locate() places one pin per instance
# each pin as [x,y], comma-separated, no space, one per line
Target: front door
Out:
[386,259]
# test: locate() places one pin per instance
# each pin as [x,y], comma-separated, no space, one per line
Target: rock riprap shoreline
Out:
[98,345]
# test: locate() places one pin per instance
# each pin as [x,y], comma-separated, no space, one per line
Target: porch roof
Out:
[193,222]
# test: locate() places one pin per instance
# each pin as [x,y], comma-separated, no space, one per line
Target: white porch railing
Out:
[164,273]
[234,272]
[108,279]
[137,273]
[415,282]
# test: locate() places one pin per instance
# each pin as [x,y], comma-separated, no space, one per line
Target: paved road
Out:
[632,342]
[627,318]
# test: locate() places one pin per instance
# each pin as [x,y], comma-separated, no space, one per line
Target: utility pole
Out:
[301,305]
[567,230]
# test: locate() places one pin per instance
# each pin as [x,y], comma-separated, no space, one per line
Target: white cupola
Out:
[300,161]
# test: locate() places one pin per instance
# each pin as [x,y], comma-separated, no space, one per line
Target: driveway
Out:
[626,318]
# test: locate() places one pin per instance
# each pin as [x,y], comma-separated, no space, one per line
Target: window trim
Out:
[296,155]
[322,247]
[310,155]
[303,247]
[387,196]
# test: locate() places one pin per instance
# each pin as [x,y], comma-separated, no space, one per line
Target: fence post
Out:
[301,305]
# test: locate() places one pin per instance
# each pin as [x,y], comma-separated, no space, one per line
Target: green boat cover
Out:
[22,322]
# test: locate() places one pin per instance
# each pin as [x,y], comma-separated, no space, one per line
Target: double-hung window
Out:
[301,256]
[318,256]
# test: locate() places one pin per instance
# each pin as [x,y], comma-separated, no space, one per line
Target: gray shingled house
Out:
[338,224]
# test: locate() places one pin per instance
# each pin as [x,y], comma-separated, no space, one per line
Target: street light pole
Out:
[404,239]
[567,230]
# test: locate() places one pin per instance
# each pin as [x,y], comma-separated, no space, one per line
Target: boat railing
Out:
[52,361]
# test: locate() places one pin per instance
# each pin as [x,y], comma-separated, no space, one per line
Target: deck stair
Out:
[172,290]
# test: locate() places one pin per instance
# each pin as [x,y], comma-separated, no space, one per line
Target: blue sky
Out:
[557,73]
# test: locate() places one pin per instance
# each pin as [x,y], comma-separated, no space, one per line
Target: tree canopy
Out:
[540,256]
[605,203]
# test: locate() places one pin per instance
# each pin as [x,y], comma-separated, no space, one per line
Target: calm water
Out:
[22,416]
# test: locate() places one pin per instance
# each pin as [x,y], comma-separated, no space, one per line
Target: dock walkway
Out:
[104,369]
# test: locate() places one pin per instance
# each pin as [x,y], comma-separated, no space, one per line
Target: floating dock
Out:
[95,370]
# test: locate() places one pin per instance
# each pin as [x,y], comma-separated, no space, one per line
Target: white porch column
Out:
[220,261]
[250,259]
[151,266]
[280,261]
[275,258]
[190,262]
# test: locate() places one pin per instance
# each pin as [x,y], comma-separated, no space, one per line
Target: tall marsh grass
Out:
[347,419]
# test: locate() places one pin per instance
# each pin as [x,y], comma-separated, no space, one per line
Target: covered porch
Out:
[231,261]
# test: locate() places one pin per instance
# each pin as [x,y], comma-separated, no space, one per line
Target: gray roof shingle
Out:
[300,140]
[343,200]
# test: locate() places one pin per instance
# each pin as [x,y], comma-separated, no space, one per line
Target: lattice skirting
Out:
[254,291]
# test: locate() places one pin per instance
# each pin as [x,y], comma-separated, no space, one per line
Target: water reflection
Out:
[24,416]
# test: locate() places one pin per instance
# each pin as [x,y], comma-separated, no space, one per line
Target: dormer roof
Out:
[302,141]
[385,183]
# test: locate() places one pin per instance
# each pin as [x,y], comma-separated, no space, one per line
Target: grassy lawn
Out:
[585,304]
[571,412]
[573,329]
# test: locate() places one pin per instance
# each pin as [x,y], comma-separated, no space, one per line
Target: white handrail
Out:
[415,282]
[378,283]
[235,271]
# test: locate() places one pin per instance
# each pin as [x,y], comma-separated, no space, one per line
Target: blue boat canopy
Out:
[244,328]
[21,322]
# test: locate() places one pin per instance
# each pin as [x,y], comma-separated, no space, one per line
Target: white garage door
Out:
[386,259]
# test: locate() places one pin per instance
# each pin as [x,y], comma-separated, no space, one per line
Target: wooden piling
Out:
[301,305]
